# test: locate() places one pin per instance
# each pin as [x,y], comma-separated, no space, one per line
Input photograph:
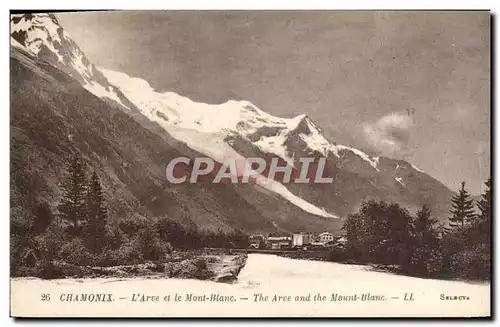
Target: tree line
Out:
[80,231]
[387,234]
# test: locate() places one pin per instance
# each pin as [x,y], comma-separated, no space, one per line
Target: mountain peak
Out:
[306,125]
[42,36]
[37,31]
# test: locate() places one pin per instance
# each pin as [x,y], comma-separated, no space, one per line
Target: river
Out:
[268,285]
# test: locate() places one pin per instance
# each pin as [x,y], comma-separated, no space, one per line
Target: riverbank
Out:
[203,265]
[263,277]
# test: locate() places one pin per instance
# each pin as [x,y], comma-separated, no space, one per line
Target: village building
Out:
[279,242]
[340,242]
[325,237]
[257,241]
[301,239]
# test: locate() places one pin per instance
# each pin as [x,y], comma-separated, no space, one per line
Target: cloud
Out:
[390,135]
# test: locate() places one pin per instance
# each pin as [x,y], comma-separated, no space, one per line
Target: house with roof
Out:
[325,237]
[301,239]
[257,241]
[279,242]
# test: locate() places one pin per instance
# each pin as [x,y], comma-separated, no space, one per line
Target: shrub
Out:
[128,253]
[200,263]
[159,267]
[174,233]
[435,262]
[106,258]
[167,248]
[43,217]
[76,253]
[150,245]
[47,270]
[15,254]
[132,225]
[337,254]
[470,263]
[426,262]
[115,238]
[48,244]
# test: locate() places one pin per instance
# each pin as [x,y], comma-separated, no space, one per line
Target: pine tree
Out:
[97,215]
[483,226]
[72,207]
[426,243]
[484,230]
[484,204]
[462,208]
[425,228]
[43,217]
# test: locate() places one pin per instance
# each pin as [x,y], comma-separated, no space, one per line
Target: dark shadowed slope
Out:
[53,116]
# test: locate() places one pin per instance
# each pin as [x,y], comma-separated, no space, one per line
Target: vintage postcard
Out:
[250,164]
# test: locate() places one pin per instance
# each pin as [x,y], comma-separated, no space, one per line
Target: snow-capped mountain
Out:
[205,127]
[239,129]
[265,131]
[42,36]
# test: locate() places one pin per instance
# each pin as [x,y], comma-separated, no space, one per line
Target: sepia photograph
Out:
[250,163]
